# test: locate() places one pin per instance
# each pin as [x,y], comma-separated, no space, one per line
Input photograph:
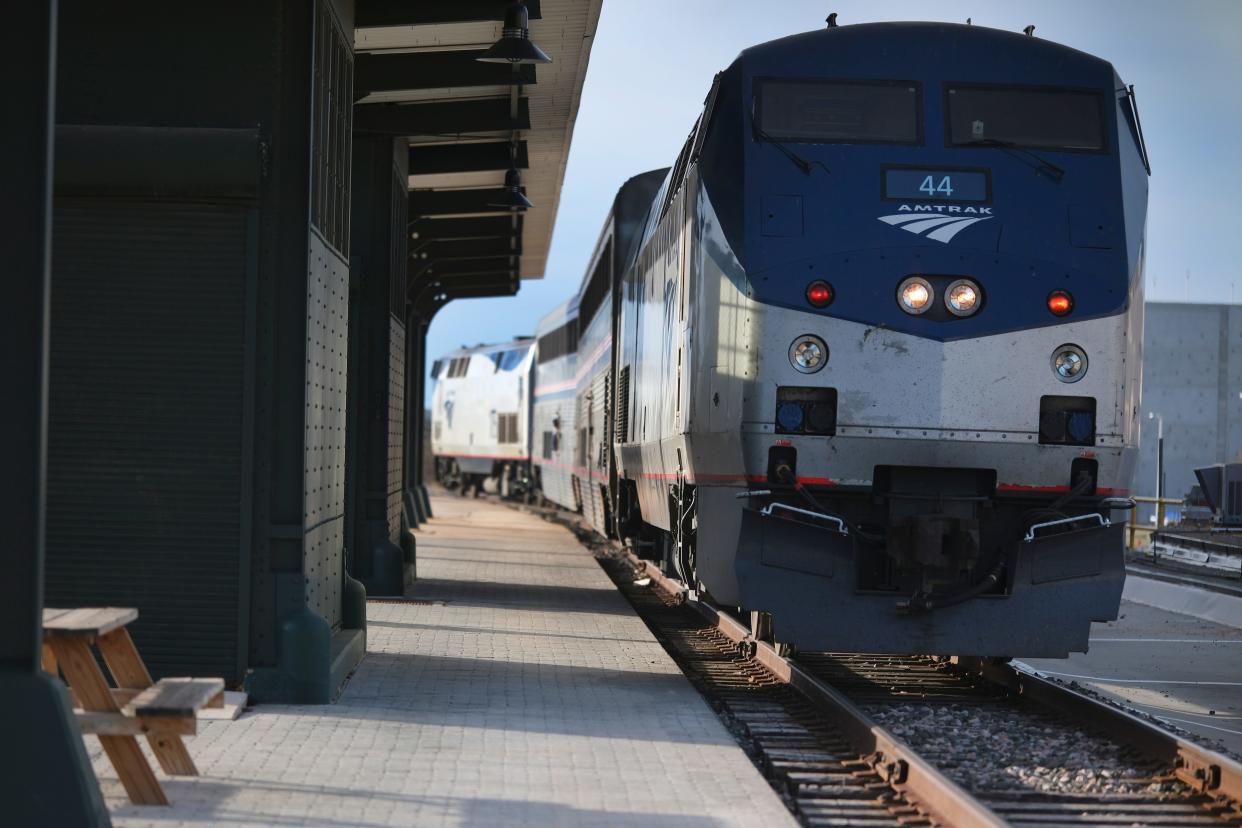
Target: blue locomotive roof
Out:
[881,47]
[796,208]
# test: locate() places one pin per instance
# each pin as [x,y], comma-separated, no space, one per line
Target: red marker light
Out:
[819,294]
[1060,303]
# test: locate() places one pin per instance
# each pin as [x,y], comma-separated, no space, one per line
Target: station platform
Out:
[513,686]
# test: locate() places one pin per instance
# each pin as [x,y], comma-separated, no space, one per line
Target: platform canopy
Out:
[468,124]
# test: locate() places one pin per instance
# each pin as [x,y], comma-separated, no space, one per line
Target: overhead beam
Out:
[486,227]
[491,281]
[429,307]
[452,158]
[455,267]
[373,13]
[441,297]
[383,72]
[481,292]
[422,291]
[456,202]
[442,117]
[439,251]
[481,280]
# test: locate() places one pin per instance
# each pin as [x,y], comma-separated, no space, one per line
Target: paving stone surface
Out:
[524,691]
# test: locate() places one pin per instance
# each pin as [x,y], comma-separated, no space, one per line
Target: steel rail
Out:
[893,760]
[1203,769]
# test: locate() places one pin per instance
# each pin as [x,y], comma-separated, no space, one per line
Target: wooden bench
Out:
[163,711]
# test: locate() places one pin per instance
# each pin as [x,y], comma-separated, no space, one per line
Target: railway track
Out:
[857,739]
[814,765]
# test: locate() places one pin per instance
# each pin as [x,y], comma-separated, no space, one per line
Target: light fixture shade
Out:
[512,195]
[515,45]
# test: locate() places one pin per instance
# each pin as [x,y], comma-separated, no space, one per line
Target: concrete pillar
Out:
[48,780]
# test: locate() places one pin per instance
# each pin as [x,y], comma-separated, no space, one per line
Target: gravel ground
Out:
[1003,748]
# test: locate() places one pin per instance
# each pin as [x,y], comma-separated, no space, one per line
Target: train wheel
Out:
[666,549]
[761,626]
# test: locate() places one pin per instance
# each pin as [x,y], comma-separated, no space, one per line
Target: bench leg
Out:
[53,669]
[173,755]
[129,671]
[132,768]
[85,677]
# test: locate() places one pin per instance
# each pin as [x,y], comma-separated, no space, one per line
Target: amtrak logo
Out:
[945,222]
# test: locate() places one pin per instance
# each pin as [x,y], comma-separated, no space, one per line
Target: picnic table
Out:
[163,711]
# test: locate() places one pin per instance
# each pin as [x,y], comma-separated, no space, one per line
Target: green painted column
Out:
[48,779]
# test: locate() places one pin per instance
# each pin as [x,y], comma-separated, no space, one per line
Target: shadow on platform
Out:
[210,801]
[522,596]
[399,625]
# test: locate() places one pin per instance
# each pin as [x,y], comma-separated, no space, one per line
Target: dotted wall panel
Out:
[324,562]
[396,425]
[327,320]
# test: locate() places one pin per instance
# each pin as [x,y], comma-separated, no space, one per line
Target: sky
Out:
[653,61]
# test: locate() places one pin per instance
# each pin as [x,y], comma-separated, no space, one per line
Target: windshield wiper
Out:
[798,161]
[1042,165]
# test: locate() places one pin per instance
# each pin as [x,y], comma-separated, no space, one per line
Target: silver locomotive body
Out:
[923,488]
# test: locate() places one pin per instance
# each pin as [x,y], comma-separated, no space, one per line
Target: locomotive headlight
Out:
[1069,363]
[808,354]
[915,295]
[962,298]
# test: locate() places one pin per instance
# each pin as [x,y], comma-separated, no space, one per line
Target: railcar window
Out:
[821,112]
[598,286]
[558,343]
[1038,118]
[512,358]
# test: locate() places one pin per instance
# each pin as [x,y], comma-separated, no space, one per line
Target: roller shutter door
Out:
[145,457]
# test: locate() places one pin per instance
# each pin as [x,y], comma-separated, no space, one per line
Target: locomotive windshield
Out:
[1038,118]
[818,112]
[511,358]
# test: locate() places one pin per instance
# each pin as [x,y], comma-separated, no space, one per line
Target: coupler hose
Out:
[926,602]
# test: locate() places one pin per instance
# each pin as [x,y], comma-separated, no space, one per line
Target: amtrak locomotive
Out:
[874,371]
[480,427]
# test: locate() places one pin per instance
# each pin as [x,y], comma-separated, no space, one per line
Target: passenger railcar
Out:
[878,357]
[480,416]
[553,405]
[598,314]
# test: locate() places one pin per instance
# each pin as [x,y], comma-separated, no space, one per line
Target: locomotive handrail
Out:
[766,511]
[1030,533]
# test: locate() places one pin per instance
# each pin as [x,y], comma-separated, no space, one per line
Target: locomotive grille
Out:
[508,424]
[623,406]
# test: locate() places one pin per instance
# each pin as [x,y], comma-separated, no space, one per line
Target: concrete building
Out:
[1192,378]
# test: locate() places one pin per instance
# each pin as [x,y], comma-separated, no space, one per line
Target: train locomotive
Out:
[875,367]
[480,426]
